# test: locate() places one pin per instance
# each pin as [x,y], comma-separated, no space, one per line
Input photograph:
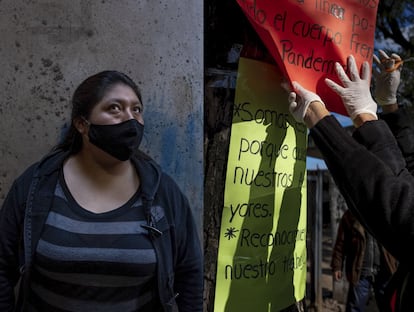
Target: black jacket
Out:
[373,169]
[25,209]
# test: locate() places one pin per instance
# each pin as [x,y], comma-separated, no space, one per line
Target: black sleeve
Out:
[11,225]
[11,238]
[379,193]
[402,127]
[188,259]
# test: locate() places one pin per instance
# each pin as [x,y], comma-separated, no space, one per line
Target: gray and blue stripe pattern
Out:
[94,262]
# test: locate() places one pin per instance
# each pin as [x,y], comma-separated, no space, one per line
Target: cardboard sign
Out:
[307,37]
[262,250]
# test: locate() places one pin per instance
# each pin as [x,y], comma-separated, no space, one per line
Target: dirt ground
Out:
[333,294]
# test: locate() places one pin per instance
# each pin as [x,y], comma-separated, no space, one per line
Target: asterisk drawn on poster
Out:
[230,233]
[238,108]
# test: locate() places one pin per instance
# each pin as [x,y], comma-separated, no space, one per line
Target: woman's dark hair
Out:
[89,93]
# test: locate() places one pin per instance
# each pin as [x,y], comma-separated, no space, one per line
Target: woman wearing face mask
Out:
[96,225]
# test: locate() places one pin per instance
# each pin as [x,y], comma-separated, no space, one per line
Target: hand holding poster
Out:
[307,37]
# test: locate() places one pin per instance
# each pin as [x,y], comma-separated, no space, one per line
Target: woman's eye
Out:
[137,109]
[114,107]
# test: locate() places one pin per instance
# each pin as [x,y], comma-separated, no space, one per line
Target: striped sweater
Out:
[94,262]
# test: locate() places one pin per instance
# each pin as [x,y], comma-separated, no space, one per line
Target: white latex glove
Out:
[299,101]
[355,93]
[387,78]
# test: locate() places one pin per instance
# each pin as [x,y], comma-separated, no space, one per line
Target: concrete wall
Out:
[48,47]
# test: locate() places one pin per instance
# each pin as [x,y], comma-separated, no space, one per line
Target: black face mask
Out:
[118,140]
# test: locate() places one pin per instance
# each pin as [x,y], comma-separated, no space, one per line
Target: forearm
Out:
[316,111]
[361,119]
[369,186]
[390,108]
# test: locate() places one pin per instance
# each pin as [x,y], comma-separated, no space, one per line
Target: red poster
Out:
[307,37]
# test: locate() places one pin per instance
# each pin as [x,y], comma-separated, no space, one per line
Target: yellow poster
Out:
[262,249]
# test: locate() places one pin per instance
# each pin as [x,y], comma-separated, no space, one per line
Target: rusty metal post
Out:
[315,209]
[318,239]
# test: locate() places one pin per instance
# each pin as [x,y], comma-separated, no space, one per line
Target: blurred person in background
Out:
[367,265]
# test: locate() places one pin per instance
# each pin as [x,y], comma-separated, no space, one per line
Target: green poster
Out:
[262,249]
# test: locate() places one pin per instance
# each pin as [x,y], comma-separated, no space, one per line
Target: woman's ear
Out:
[81,125]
